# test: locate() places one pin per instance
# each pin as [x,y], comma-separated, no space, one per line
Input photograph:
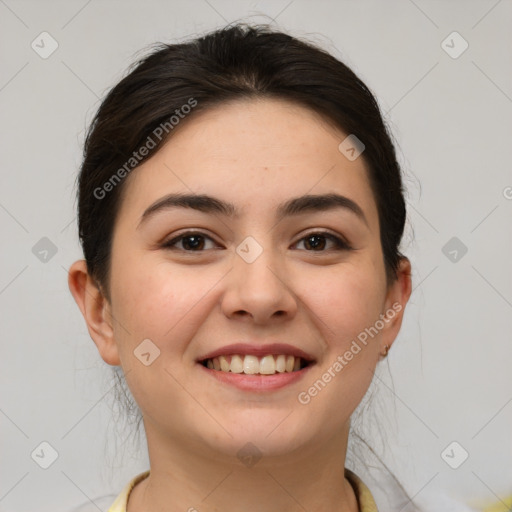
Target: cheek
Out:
[162,302]
[346,303]
[346,299]
[151,302]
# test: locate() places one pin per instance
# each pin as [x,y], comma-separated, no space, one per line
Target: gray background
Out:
[448,376]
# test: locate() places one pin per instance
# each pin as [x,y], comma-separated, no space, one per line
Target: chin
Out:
[264,436]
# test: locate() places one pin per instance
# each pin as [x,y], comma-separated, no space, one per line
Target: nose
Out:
[259,291]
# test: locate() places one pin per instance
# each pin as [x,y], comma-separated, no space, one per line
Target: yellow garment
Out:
[120,502]
[364,497]
[504,506]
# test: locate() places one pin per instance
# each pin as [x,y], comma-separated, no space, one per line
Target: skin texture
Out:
[255,154]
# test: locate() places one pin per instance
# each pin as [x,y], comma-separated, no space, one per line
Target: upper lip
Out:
[258,351]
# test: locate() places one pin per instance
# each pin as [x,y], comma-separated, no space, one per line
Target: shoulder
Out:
[101,503]
[119,504]
[365,499]
[501,506]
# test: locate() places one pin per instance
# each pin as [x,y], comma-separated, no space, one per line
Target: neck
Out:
[184,477]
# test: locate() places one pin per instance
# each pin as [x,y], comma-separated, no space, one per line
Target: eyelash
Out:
[340,244]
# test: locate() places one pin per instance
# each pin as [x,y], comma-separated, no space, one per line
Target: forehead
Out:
[254,153]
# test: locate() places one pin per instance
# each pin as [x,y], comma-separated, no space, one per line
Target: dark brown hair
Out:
[236,62]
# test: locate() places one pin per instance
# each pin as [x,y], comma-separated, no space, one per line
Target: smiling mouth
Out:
[252,365]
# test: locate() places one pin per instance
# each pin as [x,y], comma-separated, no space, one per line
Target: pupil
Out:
[315,245]
[193,245]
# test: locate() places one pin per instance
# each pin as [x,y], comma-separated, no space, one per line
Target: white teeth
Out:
[224,365]
[268,365]
[251,365]
[281,363]
[237,364]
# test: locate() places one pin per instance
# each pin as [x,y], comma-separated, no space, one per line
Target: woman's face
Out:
[255,278]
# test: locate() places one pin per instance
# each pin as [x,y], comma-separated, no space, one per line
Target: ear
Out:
[397,297]
[95,309]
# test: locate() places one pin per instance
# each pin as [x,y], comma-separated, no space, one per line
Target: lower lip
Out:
[258,382]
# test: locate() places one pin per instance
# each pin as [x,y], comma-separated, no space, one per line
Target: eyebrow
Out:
[296,206]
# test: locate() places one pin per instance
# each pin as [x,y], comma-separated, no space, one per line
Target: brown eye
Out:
[192,241]
[317,241]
